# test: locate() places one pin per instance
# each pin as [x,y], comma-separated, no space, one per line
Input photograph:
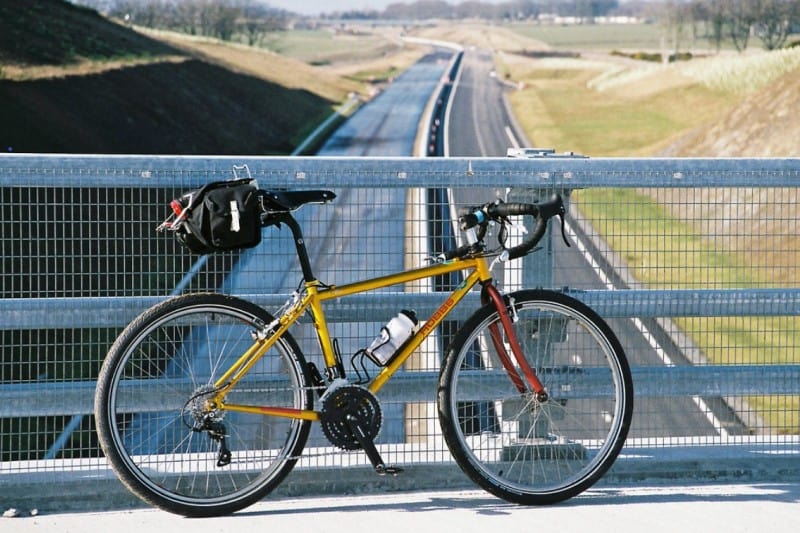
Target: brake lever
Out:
[564,230]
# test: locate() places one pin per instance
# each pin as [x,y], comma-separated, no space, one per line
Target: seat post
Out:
[300,245]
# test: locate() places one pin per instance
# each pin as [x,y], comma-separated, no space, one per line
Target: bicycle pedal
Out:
[383,470]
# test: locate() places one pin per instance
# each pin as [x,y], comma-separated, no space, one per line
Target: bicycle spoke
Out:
[528,447]
[159,431]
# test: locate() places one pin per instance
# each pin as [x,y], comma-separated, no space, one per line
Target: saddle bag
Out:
[220,216]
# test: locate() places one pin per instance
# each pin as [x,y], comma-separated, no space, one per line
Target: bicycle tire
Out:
[151,389]
[515,447]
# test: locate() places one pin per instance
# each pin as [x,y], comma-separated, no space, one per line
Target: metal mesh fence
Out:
[710,238]
[77,253]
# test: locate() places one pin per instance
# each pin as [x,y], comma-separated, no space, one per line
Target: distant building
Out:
[559,20]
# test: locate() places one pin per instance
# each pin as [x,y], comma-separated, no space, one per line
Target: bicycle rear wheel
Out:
[153,421]
[513,445]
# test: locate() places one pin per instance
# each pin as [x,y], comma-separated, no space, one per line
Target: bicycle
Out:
[204,402]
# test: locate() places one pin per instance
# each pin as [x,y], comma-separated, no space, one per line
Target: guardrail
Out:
[712,339]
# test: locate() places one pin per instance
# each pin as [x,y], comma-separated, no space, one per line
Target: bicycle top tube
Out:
[474,221]
[477,264]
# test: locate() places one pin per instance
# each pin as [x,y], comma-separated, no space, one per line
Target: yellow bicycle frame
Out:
[315,295]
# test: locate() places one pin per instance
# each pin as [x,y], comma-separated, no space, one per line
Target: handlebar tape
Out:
[542,212]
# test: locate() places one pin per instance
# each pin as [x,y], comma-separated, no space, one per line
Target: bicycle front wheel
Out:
[161,436]
[513,444]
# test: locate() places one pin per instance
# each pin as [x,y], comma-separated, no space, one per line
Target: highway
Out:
[358,235]
[479,125]
[355,236]
[387,126]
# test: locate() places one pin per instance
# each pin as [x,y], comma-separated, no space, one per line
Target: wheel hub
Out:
[199,409]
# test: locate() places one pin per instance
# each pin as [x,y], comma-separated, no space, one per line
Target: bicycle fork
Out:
[490,294]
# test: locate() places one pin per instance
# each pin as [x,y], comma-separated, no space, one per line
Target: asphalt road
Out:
[358,235]
[479,125]
[478,122]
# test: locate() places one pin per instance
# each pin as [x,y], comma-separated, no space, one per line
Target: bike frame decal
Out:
[436,318]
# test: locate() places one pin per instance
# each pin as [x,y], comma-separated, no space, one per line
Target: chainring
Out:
[355,401]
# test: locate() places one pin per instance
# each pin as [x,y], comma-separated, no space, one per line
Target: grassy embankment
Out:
[606,106]
[73,81]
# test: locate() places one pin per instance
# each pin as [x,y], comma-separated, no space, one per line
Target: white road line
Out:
[511,137]
[639,325]
[449,108]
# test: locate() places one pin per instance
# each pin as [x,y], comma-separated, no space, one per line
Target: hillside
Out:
[54,32]
[764,124]
[73,81]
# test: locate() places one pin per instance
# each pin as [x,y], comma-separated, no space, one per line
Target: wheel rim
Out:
[526,447]
[160,451]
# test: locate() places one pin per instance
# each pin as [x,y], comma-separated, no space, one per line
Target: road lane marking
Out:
[512,137]
[643,330]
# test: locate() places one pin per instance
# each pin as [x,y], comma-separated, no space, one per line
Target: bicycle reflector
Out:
[177,207]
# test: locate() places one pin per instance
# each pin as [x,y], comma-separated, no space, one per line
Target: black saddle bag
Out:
[220,216]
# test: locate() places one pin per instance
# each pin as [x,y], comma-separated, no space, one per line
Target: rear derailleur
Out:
[216,430]
[200,419]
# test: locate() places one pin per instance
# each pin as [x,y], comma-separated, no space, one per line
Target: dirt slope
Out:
[189,107]
[764,125]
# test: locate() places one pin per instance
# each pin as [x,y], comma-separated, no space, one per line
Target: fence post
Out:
[537,268]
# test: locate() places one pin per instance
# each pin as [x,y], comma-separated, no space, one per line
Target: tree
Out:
[740,16]
[258,19]
[716,21]
[674,19]
[775,21]
[223,17]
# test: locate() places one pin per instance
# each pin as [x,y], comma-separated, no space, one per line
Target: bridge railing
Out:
[692,261]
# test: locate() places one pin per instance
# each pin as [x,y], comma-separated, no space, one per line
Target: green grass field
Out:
[322,47]
[613,108]
[595,36]
[664,251]
[559,110]
[632,37]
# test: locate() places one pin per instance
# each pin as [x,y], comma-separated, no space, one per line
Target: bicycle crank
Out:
[351,420]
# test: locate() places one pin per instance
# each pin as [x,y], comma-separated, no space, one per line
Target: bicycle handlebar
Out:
[498,212]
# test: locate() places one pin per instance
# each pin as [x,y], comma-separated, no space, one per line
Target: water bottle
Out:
[393,336]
